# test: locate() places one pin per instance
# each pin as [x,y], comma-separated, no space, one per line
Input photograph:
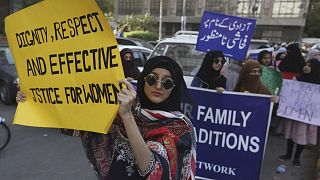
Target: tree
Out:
[139,23]
[312,27]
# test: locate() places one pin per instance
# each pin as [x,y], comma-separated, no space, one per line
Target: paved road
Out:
[41,154]
[44,154]
[276,146]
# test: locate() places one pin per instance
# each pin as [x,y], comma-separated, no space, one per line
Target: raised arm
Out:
[139,147]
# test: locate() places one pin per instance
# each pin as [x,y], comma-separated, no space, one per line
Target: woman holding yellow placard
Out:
[150,138]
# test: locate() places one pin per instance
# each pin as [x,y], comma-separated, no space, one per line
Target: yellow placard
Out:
[68,63]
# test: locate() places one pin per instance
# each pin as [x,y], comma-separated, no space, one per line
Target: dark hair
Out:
[262,54]
[293,62]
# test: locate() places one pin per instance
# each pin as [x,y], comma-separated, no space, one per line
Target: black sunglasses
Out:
[216,61]
[166,83]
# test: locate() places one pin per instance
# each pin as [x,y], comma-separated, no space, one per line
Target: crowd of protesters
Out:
[293,64]
[244,76]
[139,134]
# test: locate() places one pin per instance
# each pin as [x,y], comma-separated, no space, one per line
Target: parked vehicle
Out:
[181,48]
[140,54]
[134,42]
[8,77]
[316,46]
[153,43]
[257,43]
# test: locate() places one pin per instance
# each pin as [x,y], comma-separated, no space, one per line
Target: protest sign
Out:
[271,79]
[300,101]
[230,34]
[68,64]
[230,129]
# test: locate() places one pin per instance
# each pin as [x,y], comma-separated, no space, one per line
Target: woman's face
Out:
[218,63]
[158,85]
[255,71]
[266,59]
[307,68]
[127,57]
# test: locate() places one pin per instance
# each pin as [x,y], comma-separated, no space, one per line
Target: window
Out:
[249,8]
[155,7]
[215,5]
[137,58]
[271,33]
[287,8]
[145,53]
[190,7]
[184,54]
[125,42]
[130,6]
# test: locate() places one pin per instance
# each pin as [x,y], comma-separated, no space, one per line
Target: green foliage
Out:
[312,27]
[110,6]
[109,16]
[139,23]
[145,35]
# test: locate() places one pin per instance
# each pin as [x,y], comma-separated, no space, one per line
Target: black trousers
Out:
[298,152]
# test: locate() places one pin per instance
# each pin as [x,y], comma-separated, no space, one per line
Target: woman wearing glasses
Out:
[150,138]
[209,75]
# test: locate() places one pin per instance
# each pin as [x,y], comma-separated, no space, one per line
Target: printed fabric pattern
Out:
[169,136]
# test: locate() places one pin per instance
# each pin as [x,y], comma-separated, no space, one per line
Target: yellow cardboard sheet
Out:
[68,63]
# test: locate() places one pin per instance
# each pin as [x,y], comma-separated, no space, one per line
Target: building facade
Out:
[277,20]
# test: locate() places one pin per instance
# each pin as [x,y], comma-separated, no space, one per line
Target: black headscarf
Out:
[314,75]
[294,61]
[206,73]
[248,82]
[172,103]
[129,67]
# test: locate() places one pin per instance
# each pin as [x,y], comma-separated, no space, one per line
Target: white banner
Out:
[300,101]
